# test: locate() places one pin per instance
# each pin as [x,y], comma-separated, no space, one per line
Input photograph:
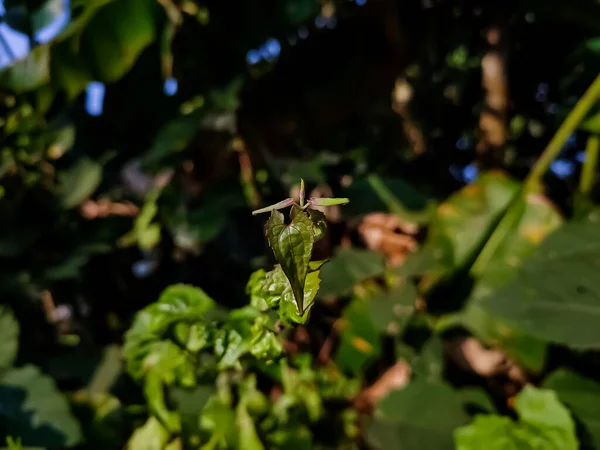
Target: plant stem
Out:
[533,180]
[588,171]
[302,194]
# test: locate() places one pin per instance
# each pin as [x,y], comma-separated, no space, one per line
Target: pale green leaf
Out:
[150,436]
[328,201]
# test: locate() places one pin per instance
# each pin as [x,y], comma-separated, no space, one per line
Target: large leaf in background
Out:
[116,36]
[556,294]
[391,310]
[191,228]
[360,338]
[34,409]
[292,245]
[533,219]
[79,182]
[348,267]
[9,337]
[420,416]
[174,136]
[582,396]
[376,194]
[463,222]
[68,70]
[28,73]
[544,424]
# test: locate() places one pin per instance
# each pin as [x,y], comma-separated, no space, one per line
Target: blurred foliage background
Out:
[459,308]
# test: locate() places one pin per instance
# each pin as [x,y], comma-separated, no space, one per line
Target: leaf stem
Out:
[302,194]
[588,171]
[533,180]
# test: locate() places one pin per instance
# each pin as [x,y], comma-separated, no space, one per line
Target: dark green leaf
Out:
[376,194]
[80,181]
[116,36]
[35,410]
[556,293]
[21,18]
[9,337]
[391,310]
[420,416]
[292,245]
[360,338]
[463,222]
[534,219]
[348,268]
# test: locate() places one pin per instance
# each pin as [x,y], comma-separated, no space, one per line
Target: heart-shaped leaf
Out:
[292,245]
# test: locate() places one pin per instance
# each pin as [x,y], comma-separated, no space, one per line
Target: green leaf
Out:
[116,36]
[248,437]
[34,409]
[144,350]
[391,310]
[360,339]
[465,220]
[429,364]
[68,70]
[25,18]
[328,201]
[287,307]
[292,245]
[534,219]
[79,182]
[28,73]
[380,194]
[349,267]
[419,416]
[9,337]
[582,396]
[150,436]
[544,423]
[319,223]
[556,294]
[489,432]
[292,438]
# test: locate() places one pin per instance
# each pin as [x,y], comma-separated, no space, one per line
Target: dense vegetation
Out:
[429,280]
